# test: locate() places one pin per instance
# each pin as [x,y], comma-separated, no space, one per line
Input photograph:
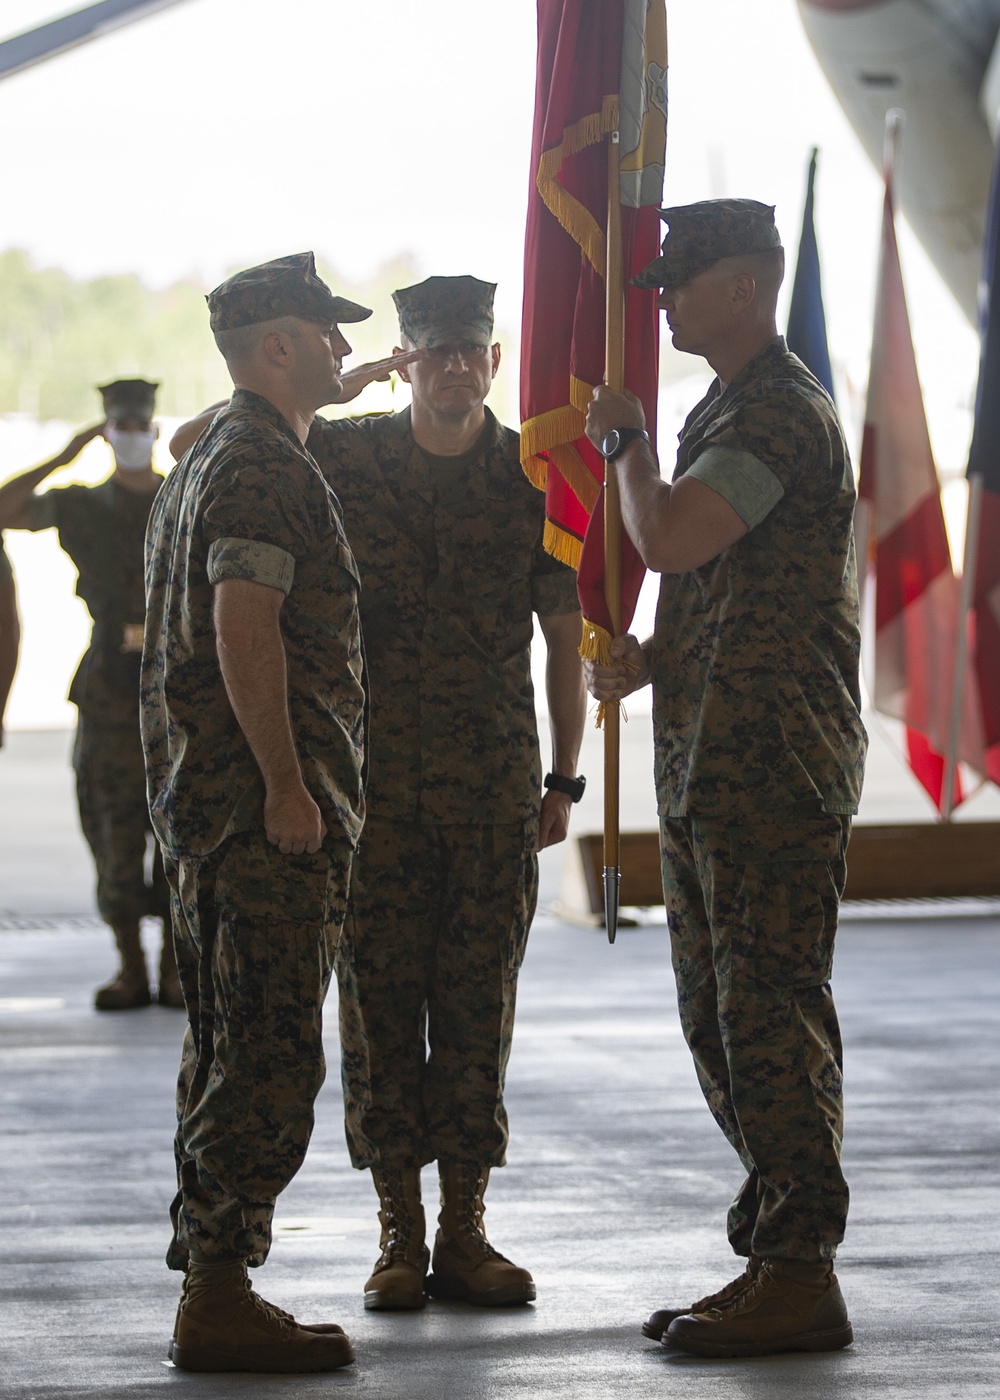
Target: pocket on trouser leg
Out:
[788,937]
[788,892]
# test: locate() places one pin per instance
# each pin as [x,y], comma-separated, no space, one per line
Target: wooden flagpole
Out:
[614,377]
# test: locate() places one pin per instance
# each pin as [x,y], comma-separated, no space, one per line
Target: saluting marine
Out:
[102,529]
[447,531]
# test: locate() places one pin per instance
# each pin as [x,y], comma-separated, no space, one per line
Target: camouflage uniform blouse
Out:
[102,529]
[755,654]
[452,567]
[247,502]
[6,571]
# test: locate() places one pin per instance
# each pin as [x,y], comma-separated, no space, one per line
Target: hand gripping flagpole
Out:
[614,377]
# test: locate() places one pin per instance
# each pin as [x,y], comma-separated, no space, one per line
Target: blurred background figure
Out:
[102,528]
[10,632]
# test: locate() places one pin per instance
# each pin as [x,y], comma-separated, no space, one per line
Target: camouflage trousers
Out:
[752,909]
[435,934]
[111,795]
[255,933]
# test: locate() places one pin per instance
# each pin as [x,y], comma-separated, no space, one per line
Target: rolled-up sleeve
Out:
[252,560]
[740,478]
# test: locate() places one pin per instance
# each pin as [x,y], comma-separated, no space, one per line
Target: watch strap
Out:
[625,436]
[574,787]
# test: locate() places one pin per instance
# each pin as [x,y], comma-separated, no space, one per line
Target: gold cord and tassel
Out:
[596,646]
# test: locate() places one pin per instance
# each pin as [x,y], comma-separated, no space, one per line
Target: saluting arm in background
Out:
[16,494]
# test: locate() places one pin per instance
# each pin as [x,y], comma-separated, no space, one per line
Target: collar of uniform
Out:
[403,422]
[770,357]
[488,442]
[246,401]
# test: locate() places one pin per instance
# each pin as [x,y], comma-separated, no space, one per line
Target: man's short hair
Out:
[767,267]
[239,344]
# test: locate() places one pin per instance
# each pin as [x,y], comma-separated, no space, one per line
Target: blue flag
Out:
[806,319]
[984,454]
[984,462]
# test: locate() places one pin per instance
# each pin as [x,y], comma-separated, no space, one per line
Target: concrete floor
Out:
[615,1193]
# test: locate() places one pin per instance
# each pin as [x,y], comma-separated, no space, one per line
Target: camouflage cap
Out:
[284,287]
[444,309]
[128,398]
[700,234]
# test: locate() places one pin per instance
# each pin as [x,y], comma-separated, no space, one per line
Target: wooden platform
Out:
[927,861]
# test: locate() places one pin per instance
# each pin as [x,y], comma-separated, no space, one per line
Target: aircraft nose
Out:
[841,4]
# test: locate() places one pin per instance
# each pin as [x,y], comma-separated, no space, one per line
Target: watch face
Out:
[610,444]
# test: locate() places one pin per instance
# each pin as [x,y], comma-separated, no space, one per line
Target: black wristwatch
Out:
[618,439]
[573,786]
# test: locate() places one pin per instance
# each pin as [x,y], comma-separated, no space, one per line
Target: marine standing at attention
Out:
[447,532]
[253,719]
[759,758]
[102,529]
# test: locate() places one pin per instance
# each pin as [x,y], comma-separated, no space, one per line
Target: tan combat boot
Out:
[397,1280]
[223,1325]
[790,1306]
[658,1322]
[168,986]
[465,1266]
[129,989]
[321,1327]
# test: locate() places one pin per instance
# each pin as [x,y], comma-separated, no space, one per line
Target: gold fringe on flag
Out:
[596,646]
[561,545]
[567,461]
[538,434]
[575,218]
[580,394]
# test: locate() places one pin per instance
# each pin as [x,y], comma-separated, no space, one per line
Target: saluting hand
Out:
[352,381]
[293,822]
[77,443]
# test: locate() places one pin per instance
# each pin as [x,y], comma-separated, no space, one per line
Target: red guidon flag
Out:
[602,67]
[903,545]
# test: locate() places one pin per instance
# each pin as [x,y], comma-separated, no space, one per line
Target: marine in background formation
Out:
[253,714]
[102,529]
[759,756]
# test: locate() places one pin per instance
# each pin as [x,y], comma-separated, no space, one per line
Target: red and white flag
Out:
[903,545]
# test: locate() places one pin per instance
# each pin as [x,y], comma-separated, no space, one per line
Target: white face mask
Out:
[133,450]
